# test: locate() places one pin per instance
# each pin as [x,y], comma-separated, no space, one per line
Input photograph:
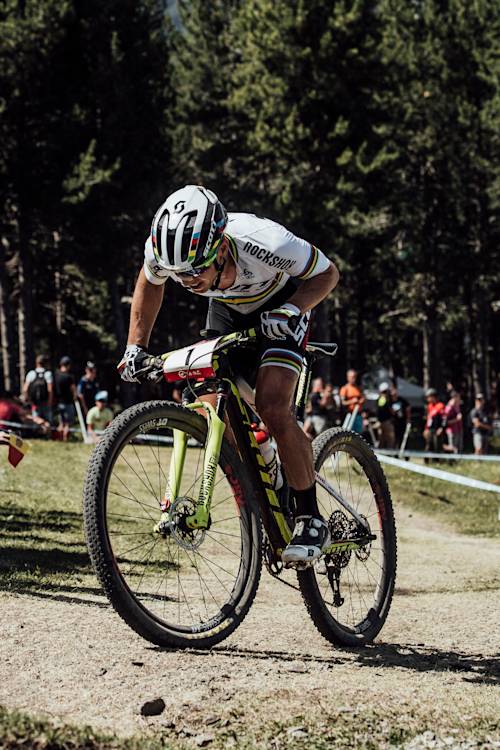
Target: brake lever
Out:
[152,371]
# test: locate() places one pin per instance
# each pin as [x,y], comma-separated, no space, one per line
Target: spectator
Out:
[385,414]
[331,402]
[434,421]
[12,411]
[38,390]
[402,415]
[482,426]
[453,424]
[66,396]
[88,387]
[99,416]
[352,397]
[316,420]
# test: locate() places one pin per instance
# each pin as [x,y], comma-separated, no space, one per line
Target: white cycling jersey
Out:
[266,255]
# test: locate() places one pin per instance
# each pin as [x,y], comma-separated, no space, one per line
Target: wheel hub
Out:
[179,511]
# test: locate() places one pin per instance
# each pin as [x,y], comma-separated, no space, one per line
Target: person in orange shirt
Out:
[351,396]
[434,422]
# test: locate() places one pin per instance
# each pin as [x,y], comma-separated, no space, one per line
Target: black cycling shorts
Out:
[285,353]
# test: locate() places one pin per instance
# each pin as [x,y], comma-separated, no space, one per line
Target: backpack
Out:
[37,390]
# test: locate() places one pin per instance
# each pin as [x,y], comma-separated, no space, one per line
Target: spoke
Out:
[124,459]
[212,562]
[209,565]
[143,469]
[225,533]
[138,562]
[138,546]
[132,499]
[217,541]
[124,515]
[144,563]
[223,520]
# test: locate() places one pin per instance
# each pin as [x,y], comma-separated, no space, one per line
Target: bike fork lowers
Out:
[216,426]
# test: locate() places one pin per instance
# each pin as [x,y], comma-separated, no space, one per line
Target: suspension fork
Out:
[215,433]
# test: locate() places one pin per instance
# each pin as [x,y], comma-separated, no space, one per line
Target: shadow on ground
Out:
[476,668]
[44,555]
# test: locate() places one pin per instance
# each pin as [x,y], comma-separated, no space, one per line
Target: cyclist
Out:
[254,272]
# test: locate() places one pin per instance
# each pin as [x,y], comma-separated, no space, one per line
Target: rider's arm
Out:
[146,304]
[313,290]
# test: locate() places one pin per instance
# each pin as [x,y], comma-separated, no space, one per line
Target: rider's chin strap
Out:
[219,267]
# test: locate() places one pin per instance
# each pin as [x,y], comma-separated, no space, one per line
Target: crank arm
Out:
[346,545]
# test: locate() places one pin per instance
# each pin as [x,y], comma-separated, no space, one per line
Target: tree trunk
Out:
[6,331]
[120,330]
[321,332]
[25,312]
[340,336]
[426,348]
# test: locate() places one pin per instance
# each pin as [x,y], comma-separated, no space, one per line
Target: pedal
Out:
[299,565]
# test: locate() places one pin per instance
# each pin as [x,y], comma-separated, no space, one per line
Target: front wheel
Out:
[174,586]
[348,592]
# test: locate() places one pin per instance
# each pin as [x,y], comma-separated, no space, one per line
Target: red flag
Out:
[17,447]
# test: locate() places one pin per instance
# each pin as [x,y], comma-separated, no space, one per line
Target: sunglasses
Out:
[193,272]
[198,270]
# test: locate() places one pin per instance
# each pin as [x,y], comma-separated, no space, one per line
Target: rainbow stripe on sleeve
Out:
[311,263]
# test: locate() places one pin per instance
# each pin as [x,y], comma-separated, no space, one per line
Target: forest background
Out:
[369,128]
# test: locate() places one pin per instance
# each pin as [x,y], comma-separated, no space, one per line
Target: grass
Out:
[18,730]
[41,530]
[367,730]
[468,511]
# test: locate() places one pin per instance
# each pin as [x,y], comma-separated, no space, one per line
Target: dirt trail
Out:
[74,660]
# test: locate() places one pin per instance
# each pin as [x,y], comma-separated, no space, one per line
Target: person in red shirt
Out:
[434,421]
[11,411]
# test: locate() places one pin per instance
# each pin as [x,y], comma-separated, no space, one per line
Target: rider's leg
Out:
[274,394]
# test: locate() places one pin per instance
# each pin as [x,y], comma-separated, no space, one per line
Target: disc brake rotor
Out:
[189,539]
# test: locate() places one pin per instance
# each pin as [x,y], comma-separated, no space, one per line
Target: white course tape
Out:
[440,456]
[438,474]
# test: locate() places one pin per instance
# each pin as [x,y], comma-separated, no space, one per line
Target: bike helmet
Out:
[188,228]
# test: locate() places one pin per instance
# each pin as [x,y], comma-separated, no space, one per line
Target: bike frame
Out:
[230,402]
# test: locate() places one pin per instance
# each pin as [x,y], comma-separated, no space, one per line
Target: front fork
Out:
[200,519]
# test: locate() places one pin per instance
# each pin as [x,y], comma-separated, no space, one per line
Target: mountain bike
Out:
[180,512]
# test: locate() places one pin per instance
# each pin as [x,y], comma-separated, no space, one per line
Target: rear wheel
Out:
[348,593]
[173,586]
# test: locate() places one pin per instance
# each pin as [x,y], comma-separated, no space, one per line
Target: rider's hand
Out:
[132,363]
[275,324]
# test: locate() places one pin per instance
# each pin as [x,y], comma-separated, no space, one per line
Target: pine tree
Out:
[304,83]
[207,135]
[439,96]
